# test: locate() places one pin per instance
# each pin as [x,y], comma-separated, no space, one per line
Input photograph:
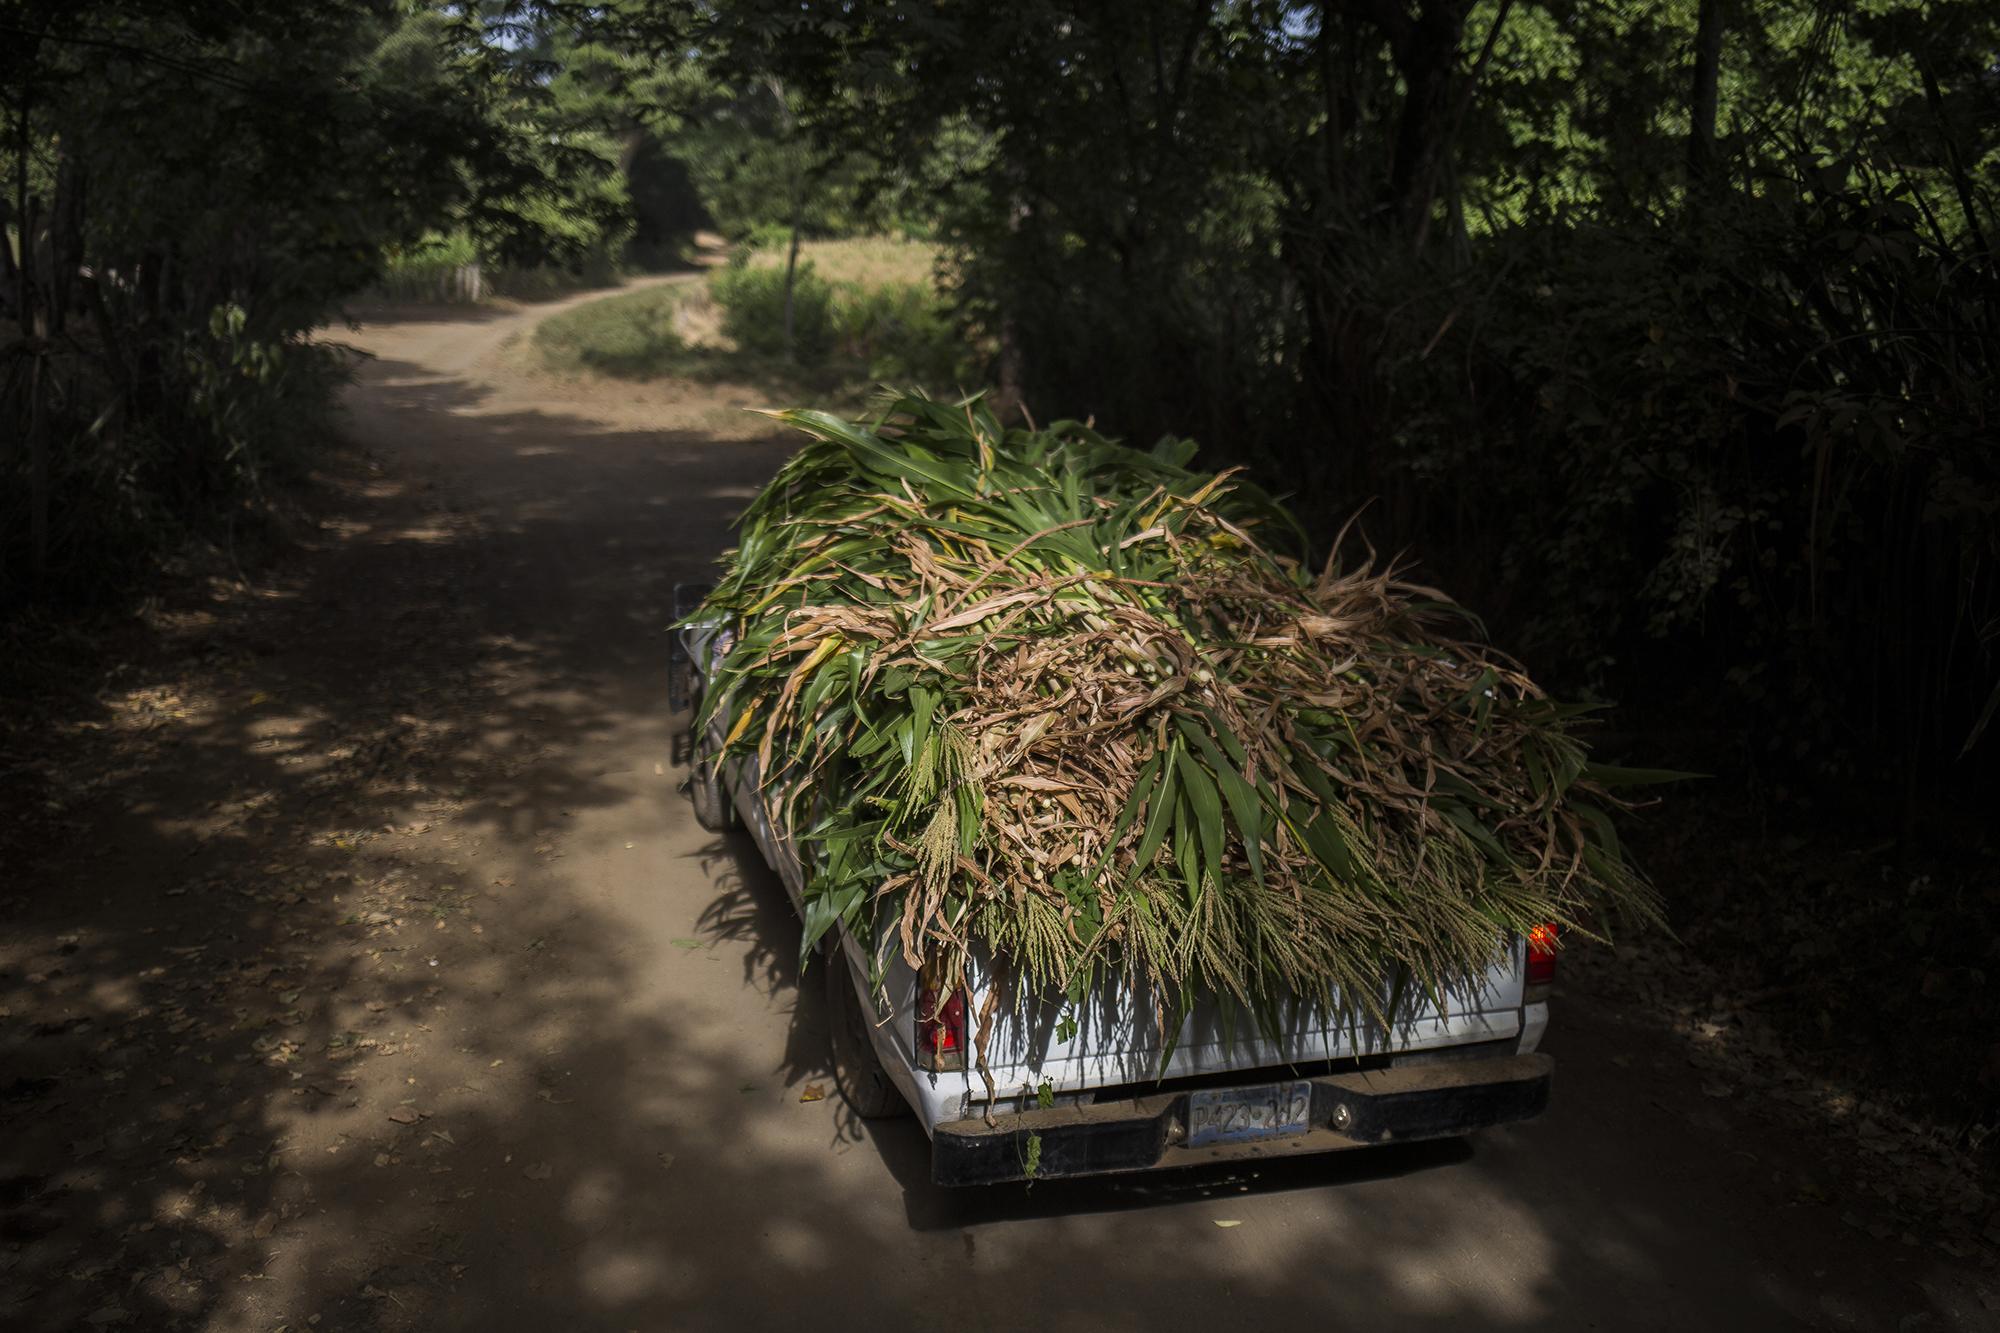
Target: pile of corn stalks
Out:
[1041,695]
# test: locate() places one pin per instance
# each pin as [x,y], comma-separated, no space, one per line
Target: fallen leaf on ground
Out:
[539,1171]
[406,1115]
[666,1159]
[1227,1222]
[813,1093]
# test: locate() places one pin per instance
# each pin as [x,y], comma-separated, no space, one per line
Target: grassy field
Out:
[866,310]
[871,261]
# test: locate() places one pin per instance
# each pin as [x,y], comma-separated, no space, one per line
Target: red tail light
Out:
[940,1021]
[1541,955]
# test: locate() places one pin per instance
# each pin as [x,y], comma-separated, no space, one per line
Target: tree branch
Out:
[138,53]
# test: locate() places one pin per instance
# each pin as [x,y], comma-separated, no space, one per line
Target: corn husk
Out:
[1079,707]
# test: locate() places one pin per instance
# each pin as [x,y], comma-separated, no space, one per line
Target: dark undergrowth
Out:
[1867,945]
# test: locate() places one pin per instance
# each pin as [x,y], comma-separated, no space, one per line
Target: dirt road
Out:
[382,981]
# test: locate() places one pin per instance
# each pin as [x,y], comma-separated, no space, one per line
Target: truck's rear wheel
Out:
[713,808]
[856,1068]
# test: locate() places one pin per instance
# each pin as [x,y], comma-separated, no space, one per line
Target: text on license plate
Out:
[1237,1115]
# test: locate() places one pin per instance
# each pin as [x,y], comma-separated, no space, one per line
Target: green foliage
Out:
[555,199]
[204,184]
[753,306]
[761,174]
[433,249]
[901,332]
[768,235]
[438,268]
[888,331]
[1792,388]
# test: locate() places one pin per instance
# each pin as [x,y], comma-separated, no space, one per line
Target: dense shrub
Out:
[448,269]
[901,332]
[1753,453]
[176,226]
[768,236]
[753,310]
[436,268]
[228,410]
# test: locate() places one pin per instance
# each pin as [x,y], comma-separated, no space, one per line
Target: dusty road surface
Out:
[378,978]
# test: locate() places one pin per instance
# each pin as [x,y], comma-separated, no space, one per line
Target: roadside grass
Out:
[865,310]
[625,337]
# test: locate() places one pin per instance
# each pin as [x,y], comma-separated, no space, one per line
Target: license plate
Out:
[1239,1115]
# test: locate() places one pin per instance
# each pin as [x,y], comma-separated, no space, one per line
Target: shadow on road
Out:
[385,314]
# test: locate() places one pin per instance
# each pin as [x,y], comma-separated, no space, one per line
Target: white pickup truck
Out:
[1093,1087]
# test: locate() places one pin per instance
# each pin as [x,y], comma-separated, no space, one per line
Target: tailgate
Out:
[1114,1036]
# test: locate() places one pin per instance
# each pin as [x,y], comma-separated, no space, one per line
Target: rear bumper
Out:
[1422,1101]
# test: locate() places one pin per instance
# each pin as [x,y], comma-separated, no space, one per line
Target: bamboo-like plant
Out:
[1035,693]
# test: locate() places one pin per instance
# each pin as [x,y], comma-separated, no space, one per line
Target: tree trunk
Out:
[791,275]
[34,333]
[1445,164]
[1426,52]
[25,266]
[38,471]
[66,211]
[1959,179]
[1010,399]
[1702,98]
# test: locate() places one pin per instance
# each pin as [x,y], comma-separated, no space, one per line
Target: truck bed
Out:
[1099,1086]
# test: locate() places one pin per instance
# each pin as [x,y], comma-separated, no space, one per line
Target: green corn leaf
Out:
[1201,793]
[1245,806]
[1159,816]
